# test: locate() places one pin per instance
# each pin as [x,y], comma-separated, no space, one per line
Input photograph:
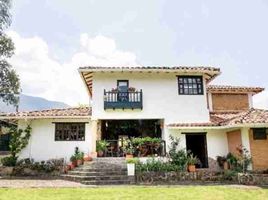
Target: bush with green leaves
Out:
[177,154]
[42,166]
[132,161]
[139,141]
[240,162]
[153,165]
[102,145]
[19,140]
[9,161]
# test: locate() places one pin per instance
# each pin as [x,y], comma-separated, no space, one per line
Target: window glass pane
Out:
[69,131]
[189,85]
[259,134]
[122,83]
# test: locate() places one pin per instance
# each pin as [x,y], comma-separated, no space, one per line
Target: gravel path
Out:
[28,183]
[58,183]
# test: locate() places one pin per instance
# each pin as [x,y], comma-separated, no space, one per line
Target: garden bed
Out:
[155,178]
[253,178]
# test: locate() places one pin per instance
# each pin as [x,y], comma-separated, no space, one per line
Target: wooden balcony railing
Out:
[122,100]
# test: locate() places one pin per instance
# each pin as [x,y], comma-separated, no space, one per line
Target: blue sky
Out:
[232,35]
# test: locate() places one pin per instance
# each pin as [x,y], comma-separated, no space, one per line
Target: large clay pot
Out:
[100,153]
[191,168]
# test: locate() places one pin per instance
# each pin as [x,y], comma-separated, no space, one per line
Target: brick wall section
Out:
[259,152]
[234,141]
[222,102]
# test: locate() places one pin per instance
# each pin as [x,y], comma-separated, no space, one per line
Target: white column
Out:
[210,103]
[250,101]
[94,132]
[245,140]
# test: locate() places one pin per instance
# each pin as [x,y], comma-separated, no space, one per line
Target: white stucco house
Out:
[158,102]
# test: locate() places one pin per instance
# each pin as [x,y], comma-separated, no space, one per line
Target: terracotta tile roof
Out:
[76,112]
[223,119]
[150,68]
[233,89]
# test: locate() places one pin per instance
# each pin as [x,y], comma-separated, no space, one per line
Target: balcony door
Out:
[122,86]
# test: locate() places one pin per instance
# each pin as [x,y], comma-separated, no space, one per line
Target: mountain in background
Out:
[29,103]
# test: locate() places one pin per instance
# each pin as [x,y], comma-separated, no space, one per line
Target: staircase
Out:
[101,171]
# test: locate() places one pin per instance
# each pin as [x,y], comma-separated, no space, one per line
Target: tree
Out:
[9,80]
[19,140]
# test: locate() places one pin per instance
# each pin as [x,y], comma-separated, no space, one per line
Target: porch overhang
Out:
[86,73]
[248,125]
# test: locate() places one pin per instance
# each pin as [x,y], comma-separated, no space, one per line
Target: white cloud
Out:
[261,100]
[42,75]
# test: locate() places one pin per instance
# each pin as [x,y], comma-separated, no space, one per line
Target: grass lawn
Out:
[125,192]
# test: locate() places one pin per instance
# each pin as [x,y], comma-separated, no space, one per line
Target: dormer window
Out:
[190,85]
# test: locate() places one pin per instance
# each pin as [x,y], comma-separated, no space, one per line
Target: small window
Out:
[190,85]
[259,133]
[69,131]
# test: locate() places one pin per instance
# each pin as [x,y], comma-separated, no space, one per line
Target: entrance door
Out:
[122,86]
[197,144]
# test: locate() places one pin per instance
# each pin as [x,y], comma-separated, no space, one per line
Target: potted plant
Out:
[73,160]
[80,157]
[129,152]
[87,158]
[131,166]
[232,160]
[222,162]
[101,147]
[192,161]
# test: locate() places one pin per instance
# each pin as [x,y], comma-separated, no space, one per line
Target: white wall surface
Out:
[42,144]
[217,144]
[160,98]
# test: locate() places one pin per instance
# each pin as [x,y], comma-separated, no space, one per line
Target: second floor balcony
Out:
[115,99]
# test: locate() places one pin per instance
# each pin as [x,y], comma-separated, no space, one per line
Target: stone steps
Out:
[101,171]
[97,173]
[107,182]
[97,178]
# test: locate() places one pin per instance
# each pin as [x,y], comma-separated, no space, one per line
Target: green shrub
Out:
[132,161]
[101,145]
[43,166]
[138,141]
[19,140]
[153,165]
[178,155]
[229,175]
[9,161]
[240,162]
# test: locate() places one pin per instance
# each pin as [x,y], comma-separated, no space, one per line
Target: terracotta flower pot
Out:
[100,153]
[74,163]
[191,168]
[79,162]
[129,156]
[71,166]
[87,158]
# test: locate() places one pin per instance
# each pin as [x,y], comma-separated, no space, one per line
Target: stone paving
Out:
[32,183]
